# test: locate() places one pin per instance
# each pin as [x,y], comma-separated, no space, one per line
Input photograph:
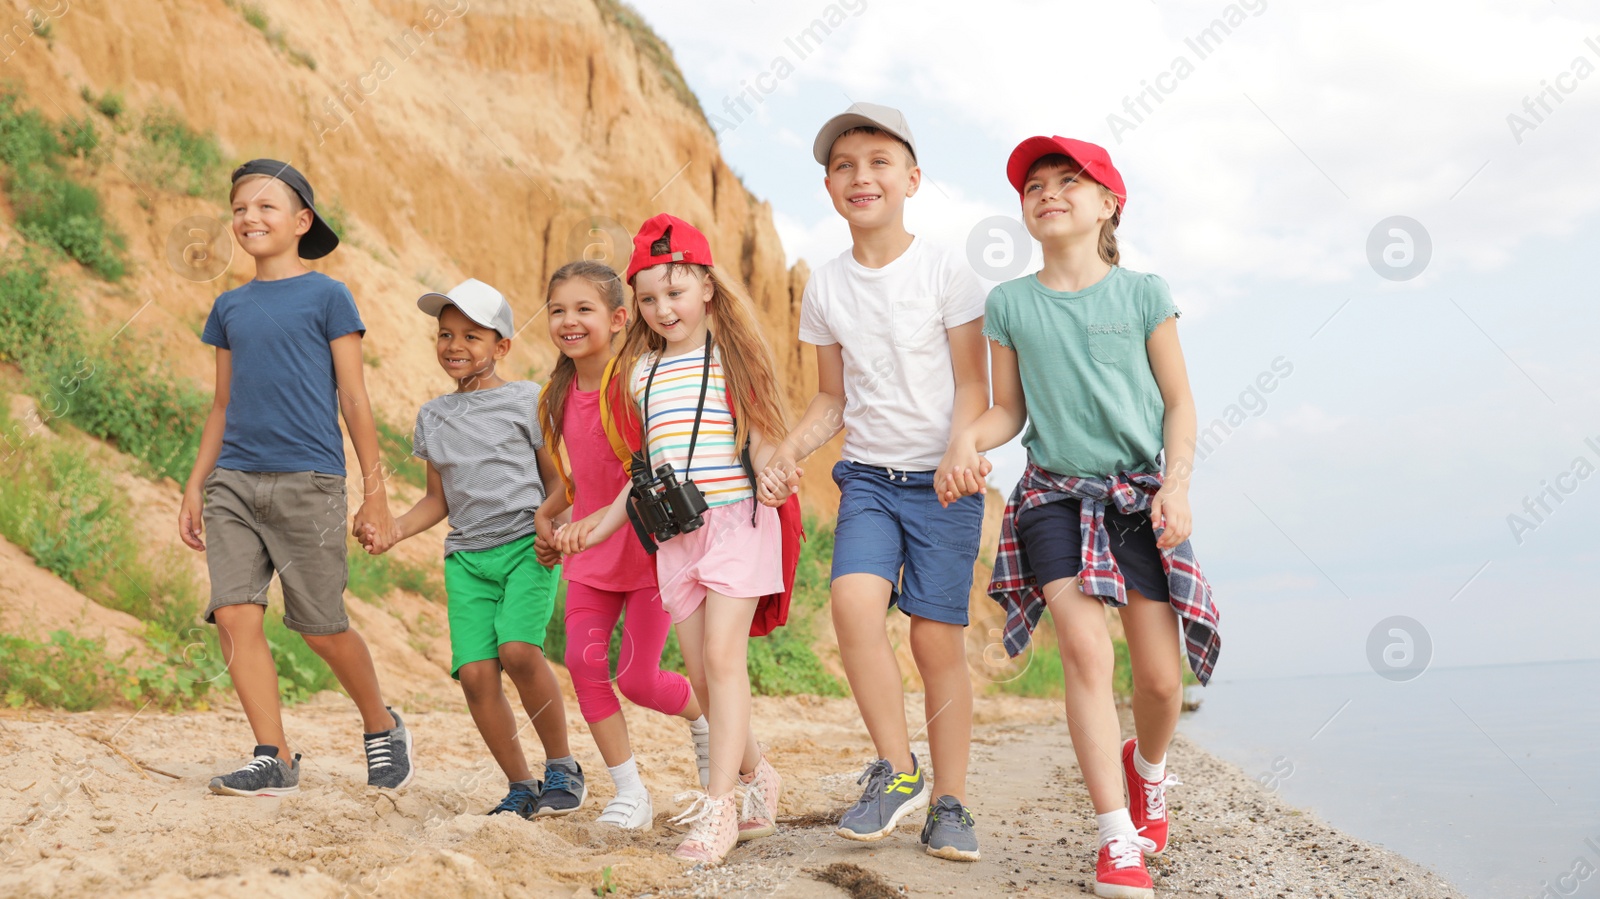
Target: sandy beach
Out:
[114,803]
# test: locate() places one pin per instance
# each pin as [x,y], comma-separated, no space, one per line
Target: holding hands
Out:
[779,480]
[375,528]
[962,471]
[577,536]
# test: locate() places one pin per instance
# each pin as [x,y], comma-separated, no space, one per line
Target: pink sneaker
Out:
[1147,801]
[757,815]
[1119,871]
[714,830]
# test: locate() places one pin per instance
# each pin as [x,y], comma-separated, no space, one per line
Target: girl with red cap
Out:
[702,376]
[1086,353]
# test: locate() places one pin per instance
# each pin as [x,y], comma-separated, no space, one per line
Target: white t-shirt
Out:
[890,323]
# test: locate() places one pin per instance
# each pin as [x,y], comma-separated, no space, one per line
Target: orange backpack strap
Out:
[555,451]
[616,431]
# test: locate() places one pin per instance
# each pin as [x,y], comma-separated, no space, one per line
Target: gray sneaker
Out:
[264,775]
[562,790]
[389,756]
[948,831]
[888,798]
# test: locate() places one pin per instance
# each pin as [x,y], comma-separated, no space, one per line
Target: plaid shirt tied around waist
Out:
[1014,586]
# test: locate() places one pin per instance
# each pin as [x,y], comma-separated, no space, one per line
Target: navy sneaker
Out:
[562,791]
[263,775]
[948,831]
[522,800]
[389,756]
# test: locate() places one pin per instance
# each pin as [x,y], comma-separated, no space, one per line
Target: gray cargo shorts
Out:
[291,522]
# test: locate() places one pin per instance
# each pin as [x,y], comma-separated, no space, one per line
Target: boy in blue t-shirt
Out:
[272,471]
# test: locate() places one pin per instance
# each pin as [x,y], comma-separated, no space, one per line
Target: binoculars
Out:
[665,507]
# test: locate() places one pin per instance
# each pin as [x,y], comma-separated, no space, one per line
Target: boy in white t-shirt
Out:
[898,327]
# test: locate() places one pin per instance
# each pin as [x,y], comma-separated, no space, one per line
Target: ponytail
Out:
[1108,233]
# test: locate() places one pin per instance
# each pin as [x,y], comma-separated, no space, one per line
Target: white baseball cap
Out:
[477,301]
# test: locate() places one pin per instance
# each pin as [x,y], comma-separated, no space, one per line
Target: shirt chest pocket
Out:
[915,321]
[1111,342]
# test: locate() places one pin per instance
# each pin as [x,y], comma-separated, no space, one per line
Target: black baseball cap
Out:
[320,240]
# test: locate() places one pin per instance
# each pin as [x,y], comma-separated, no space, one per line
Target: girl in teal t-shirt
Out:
[1086,354]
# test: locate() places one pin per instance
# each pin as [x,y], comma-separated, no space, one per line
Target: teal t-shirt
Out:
[1093,405]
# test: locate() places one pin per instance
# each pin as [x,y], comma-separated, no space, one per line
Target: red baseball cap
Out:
[664,239]
[1092,157]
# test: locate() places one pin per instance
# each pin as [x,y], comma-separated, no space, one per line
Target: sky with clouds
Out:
[1430,376]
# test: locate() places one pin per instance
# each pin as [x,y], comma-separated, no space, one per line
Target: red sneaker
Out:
[1119,872]
[1147,801]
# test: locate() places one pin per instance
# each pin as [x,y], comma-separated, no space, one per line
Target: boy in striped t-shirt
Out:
[487,467]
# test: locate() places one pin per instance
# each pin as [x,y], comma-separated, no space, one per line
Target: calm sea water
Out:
[1489,775]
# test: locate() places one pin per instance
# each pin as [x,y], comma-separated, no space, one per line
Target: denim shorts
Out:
[1052,540]
[891,525]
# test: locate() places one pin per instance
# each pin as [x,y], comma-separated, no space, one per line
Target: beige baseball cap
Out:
[859,115]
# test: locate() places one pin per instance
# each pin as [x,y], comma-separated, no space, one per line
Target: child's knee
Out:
[1086,657]
[642,687]
[1159,687]
[724,660]
[937,637]
[241,620]
[321,644]
[479,679]
[521,658]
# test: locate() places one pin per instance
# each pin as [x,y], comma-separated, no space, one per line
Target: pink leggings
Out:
[591,616]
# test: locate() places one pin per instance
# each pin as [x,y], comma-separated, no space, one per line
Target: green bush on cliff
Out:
[144,413]
[66,672]
[176,157]
[373,577]
[53,209]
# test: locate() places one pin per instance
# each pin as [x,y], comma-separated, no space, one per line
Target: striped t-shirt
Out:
[673,398]
[485,445]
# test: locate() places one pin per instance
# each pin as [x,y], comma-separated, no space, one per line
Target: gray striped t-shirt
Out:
[483,443]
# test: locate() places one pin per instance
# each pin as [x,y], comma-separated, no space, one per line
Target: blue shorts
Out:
[891,525]
[1052,540]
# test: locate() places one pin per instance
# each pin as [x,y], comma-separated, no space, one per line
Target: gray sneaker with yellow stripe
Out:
[888,798]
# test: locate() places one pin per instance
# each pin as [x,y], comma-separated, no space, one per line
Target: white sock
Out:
[1148,770]
[626,777]
[699,726]
[566,761]
[1117,823]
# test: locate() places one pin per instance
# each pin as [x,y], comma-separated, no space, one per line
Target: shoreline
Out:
[92,808]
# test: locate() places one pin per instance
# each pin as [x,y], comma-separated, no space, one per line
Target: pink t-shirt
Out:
[620,563]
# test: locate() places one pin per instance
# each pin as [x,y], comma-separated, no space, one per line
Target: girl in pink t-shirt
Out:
[586,312]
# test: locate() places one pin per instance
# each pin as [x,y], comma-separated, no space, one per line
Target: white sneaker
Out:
[630,811]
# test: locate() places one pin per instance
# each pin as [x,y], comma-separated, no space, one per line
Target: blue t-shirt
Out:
[283,401]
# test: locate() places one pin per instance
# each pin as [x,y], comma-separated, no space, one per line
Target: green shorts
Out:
[498,595]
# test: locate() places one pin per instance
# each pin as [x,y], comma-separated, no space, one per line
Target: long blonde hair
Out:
[748,368]
[553,399]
